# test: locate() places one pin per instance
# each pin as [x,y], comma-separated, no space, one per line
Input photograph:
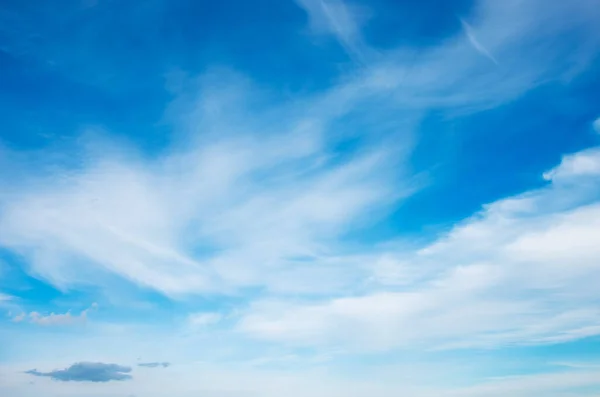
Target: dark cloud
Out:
[154,365]
[87,372]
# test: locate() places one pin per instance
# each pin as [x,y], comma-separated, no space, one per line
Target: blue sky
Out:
[299,197]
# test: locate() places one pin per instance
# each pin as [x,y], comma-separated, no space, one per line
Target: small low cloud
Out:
[202,320]
[54,319]
[87,372]
[19,318]
[154,365]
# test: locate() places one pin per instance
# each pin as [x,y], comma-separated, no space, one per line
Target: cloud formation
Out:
[296,195]
[522,271]
[285,193]
[337,18]
[200,320]
[260,235]
[469,31]
[87,372]
[272,209]
[54,319]
[154,365]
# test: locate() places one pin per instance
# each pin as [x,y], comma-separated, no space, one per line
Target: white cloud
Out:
[584,164]
[242,199]
[219,212]
[523,35]
[7,302]
[201,320]
[19,318]
[596,125]
[259,197]
[55,319]
[523,271]
[337,18]
[475,43]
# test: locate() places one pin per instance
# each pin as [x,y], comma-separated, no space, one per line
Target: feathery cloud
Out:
[54,319]
[337,18]
[256,207]
[468,29]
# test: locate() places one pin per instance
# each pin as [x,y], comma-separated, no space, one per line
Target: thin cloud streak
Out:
[476,44]
[154,365]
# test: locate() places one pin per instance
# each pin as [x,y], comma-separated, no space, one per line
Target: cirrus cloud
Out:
[522,271]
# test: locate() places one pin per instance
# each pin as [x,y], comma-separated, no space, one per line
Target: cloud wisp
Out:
[154,365]
[337,18]
[201,320]
[54,319]
[87,372]
[468,29]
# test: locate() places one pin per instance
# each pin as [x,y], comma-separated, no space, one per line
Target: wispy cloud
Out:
[257,229]
[87,372]
[154,365]
[337,18]
[469,32]
[492,280]
[577,364]
[54,319]
[271,198]
[201,320]
[263,199]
